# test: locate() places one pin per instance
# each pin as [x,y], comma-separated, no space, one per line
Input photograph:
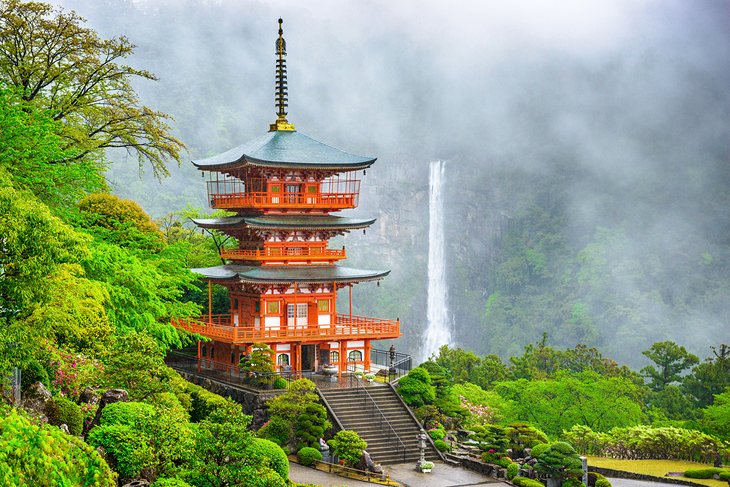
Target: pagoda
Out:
[283,278]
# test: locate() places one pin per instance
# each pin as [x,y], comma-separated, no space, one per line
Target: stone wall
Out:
[620,474]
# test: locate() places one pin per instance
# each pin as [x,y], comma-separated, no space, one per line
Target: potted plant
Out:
[425,467]
[370,377]
[358,373]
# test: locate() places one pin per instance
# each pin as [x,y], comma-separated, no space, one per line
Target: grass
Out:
[656,468]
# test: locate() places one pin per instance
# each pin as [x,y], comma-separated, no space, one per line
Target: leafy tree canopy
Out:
[671,360]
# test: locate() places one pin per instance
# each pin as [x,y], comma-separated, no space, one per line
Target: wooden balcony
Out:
[219,328]
[286,254]
[324,202]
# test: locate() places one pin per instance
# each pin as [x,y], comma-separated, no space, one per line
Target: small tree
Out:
[522,435]
[348,446]
[258,365]
[311,425]
[416,388]
[671,360]
[560,461]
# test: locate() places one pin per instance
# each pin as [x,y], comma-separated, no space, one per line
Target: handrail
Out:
[413,417]
[339,469]
[290,253]
[384,420]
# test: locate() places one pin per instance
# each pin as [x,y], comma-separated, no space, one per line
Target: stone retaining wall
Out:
[620,474]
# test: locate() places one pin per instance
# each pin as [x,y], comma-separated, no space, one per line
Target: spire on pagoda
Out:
[281,90]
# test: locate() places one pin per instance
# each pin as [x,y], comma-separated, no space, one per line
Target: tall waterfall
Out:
[438,331]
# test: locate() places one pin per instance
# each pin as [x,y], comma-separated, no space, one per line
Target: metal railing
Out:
[187,361]
[353,473]
[398,365]
[375,410]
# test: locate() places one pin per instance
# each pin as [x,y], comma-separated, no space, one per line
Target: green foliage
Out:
[126,413]
[137,365]
[64,69]
[555,405]
[203,402]
[262,452]
[416,388]
[503,462]
[703,473]
[437,433]
[311,425]
[603,483]
[280,383]
[43,455]
[492,438]
[671,360]
[130,451]
[308,455]
[716,418]
[33,372]
[441,445]
[539,449]
[512,470]
[169,482]
[348,446]
[277,429]
[290,404]
[525,482]
[69,413]
[646,442]
[710,377]
[559,460]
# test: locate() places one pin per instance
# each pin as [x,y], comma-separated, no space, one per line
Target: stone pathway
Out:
[441,476]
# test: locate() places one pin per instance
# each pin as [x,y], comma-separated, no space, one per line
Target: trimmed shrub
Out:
[308,455]
[725,475]
[34,372]
[539,449]
[203,402]
[280,383]
[69,413]
[348,446]
[441,445]
[512,470]
[128,449]
[703,473]
[276,430]
[126,413]
[311,425]
[560,461]
[525,482]
[416,388]
[268,454]
[572,482]
[437,433]
[603,483]
[503,462]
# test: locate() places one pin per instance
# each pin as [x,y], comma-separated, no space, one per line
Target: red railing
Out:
[219,328]
[285,253]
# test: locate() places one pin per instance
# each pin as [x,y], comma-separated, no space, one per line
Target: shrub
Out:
[311,425]
[69,413]
[603,483]
[168,482]
[525,482]
[308,455]
[703,473]
[128,449]
[560,461]
[276,430]
[539,449]
[203,402]
[572,482]
[348,446]
[437,433]
[725,475]
[268,454]
[126,413]
[503,462]
[512,470]
[280,383]
[522,435]
[416,388]
[441,445]
[34,372]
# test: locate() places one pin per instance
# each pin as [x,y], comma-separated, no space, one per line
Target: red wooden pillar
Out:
[341,367]
[199,356]
[366,358]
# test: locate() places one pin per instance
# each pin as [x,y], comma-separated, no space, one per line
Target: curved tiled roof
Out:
[289,274]
[308,222]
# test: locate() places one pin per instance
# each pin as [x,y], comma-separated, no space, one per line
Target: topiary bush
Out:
[442,446]
[538,450]
[603,482]
[169,482]
[525,482]
[522,435]
[703,473]
[203,402]
[559,460]
[69,413]
[308,455]
[129,451]
[126,413]
[724,475]
[437,433]
[268,454]
[280,383]
[503,462]
[348,446]
[512,470]
[416,388]
[276,430]
[311,425]
[572,482]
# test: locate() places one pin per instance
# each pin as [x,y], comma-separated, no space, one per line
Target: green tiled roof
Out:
[288,274]
[285,149]
[309,222]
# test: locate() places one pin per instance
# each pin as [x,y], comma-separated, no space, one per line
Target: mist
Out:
[609,120]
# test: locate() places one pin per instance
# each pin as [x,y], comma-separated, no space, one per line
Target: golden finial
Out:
[281,89]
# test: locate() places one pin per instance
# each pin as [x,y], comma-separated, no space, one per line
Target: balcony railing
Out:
[295,254]
[219,328]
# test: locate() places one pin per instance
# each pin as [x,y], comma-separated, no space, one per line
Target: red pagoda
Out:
[283,278]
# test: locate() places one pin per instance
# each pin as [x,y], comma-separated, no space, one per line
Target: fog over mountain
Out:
[587,149]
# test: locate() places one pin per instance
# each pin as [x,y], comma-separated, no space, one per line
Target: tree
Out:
[348,446]
[137,365]
[716,418]
[710,377]
[63,67]
[258,365]
[671,360]
[416,388]
[560,461]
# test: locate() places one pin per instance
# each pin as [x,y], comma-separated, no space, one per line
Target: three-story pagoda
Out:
[283,278]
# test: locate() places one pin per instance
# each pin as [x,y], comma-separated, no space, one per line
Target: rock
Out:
[528,452]
[259,418]
[64,428]
[36,398]
[89,396]
[137,483]
[532,461]
[109,397]
[366,463]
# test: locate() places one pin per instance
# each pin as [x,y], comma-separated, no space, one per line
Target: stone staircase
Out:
[355,411]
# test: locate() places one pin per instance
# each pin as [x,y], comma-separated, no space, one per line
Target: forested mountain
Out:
[587,154]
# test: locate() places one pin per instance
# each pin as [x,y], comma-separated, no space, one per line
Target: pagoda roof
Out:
[289,149]
[289,274]
[306,222]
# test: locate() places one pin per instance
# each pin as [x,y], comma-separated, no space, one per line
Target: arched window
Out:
[355,355]
[334,357]
[283,359]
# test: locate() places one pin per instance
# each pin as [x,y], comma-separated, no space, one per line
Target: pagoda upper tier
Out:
[287,150]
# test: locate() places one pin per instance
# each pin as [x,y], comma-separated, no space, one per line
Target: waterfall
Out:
[438,330]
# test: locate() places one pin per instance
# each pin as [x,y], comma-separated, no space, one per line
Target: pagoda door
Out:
[296,315]
[294,193]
